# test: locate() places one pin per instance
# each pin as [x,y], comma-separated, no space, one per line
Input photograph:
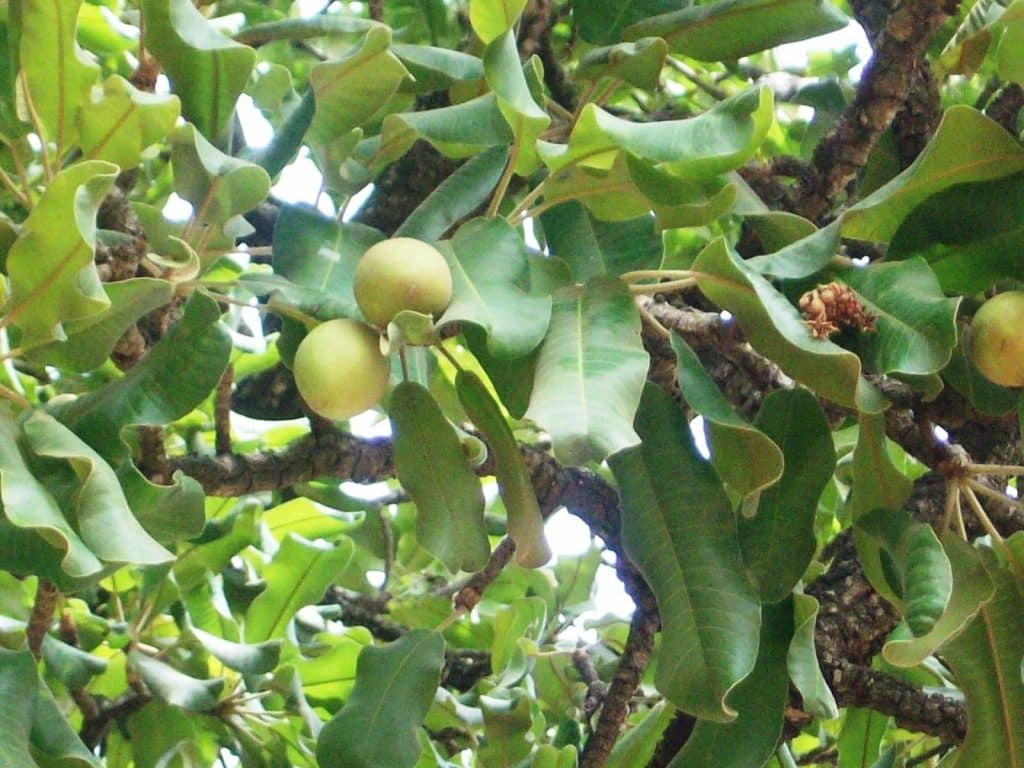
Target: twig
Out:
[466,598]
[222,411]
[42,616]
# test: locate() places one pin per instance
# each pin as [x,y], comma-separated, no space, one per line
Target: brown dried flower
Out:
[832,306]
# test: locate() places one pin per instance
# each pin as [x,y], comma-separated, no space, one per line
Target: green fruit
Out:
[996,342]
[398,274]
[339,369]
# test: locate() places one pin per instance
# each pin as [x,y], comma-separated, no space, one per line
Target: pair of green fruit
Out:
[339,369]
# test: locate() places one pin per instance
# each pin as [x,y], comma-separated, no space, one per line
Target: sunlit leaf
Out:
[492,18]
[119,123]
[527,120]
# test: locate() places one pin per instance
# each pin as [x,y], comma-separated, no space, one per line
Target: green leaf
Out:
[432,467]
[288,136]
[72,666]
[861,737]
[916,562]
[804,257]
[395,686]
[592,247]
[802,661]
[299,574]
[167,512]
[177,688]
[207,70]
[985,658]
[520,622]
[434,69]
[638,63]
[304,28]
[778,542]
[590,373]
[493,18]
[91,340]
[719,140]
[966,147]
[729,29]
[119,123]
[744,457]
[602,21]
[972,588]
[508,732]
[760,700]
[327,679]
[525,523]
[987,397]
[352,88]
[506,79]
[50,266]
[636,746]
[257,659]
[490,271]
[456,197]
[53,740]
[55,73]
[212,553]
[218,186]
[775,328]
[682,536]
[915,322]
[965,50]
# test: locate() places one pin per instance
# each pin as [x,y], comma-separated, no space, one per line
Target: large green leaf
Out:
[802,660]
[525,523]
[177,688]
[527,120]
[682,536]
[986,660]
[177,374]
[207,70]
[636,63]
[395,686]
[55,72]
[350,89]
[915,322]
[53,740]
[802,258]
[744,457]
[122,121]
[490,273]
[431,465]
[508,732]
[966,147]
[775,328]
[590,373]
[778,542]
[759,700]
[493,18]
[715,141]
[602,21]
[167,512]
[50,266]
[298,575]
[729,29]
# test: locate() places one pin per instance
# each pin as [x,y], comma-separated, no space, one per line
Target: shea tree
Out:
[506,383]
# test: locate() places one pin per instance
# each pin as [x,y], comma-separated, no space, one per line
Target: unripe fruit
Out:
[339,369]
[996,342]
[401,273]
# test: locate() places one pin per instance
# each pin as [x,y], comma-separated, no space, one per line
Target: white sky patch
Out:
[700,439]
[567,535]
[300,182]
[177,208]
[940,433]
[256,130]
[356,202]
[794,55]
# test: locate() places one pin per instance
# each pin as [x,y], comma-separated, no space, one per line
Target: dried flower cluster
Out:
[832,306]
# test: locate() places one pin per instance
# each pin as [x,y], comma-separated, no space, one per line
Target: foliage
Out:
[714,308]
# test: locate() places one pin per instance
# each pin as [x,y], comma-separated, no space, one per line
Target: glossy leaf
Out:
[729,29]
[350,89]
[207,70]
[493,18]
[602,21]
[177,688]
[778,542]
[590,372]
[527,120]
[490,272]
[775,328]
[525,523]
[432,467]
[119,123]
[744,457]
[50,266]
[966,147]
[636,63]
[395,685]
[297,575]
[256,659]
[55,73]
[682,536]
[802,660]
[218,186]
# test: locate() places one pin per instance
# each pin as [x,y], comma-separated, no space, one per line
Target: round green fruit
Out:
[996,342]
[398,274]
[339,369]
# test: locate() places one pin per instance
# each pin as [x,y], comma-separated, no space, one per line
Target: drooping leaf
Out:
[729,29]
[50,266]
[602,21]
[493,18]
[525,524]
[527,120]
[298,575]
[255,659]
[682,536]
[490,274]
[804,257]
[775,328]
[122,121]
[590,372]
[434,68]
[167,512]
[636,63]
[54,741]
[743,456]
[72,666]
[432,467]
[177,688]
[350,89]
[305,27]
[778,542]
[395,684]
[966,147]
[207,70]
[802,660]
